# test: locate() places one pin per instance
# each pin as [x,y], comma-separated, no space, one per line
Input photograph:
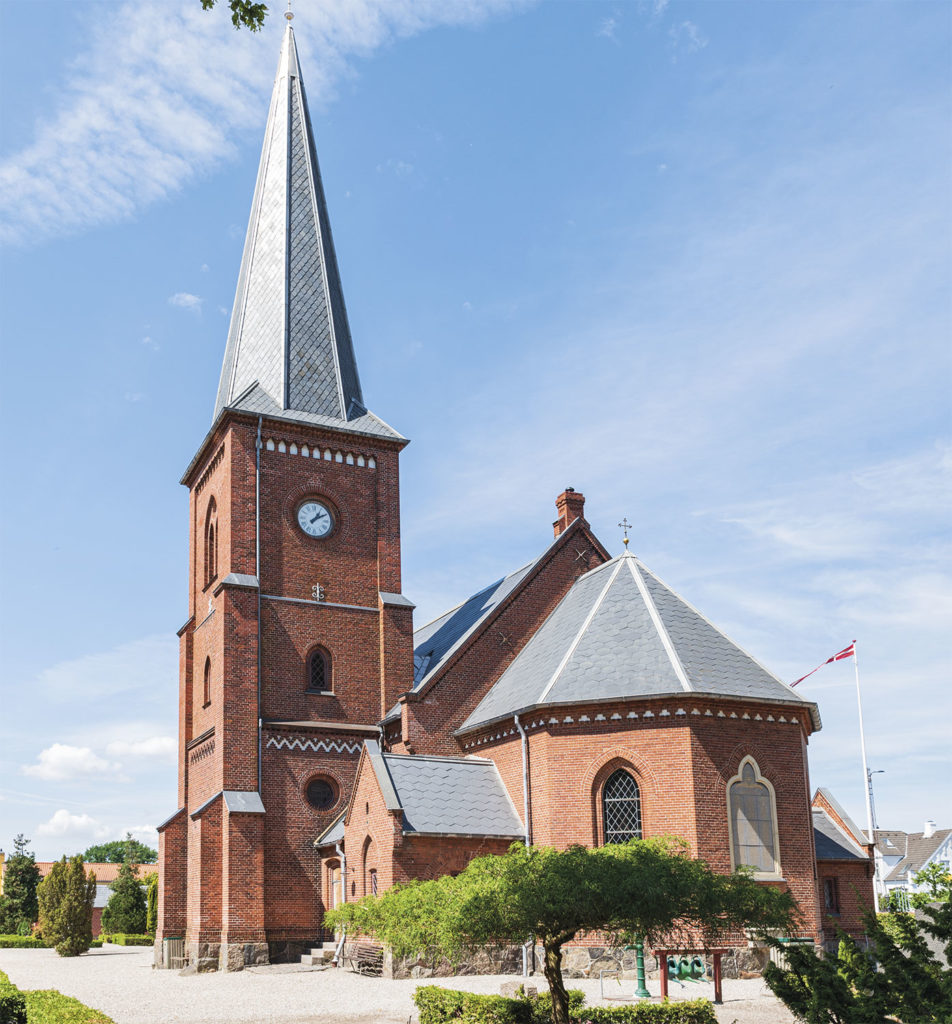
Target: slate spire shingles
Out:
[289,348]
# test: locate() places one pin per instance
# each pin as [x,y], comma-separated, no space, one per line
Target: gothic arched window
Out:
[752,816]
[211,542]
[319,678]
[207,684]
[621,806]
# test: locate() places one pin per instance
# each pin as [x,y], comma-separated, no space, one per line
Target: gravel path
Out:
[121,982]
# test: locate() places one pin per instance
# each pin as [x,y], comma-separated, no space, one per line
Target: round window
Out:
[321,794]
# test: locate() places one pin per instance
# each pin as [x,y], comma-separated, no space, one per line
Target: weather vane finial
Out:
[289,14]
[626,526]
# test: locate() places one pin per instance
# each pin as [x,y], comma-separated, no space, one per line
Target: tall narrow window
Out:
[319,671]
[753,820]
[211,542]
[621,805]
[207,684]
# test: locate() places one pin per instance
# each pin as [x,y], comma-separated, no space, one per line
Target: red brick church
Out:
[328,750]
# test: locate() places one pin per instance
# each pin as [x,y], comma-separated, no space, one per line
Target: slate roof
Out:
[289,345]
[620,632]
[857,834]
[446,795]
[334,833]
[832,842]
[918,850]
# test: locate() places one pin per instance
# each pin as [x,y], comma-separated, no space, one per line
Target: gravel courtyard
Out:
[121,982]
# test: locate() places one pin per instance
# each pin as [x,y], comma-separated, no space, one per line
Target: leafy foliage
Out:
[898,978]
[126,911]
[66,898]
[122,939]
[648,888]
[18,906]
[120,850]
[937,881]
[12,1003]
[152,901]
[46,1006]
[243,12]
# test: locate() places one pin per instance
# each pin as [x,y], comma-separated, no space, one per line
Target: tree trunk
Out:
[552,970]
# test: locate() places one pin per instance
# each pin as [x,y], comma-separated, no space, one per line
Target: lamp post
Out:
[641,990]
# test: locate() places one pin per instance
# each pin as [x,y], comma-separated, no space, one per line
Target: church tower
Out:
[298,639]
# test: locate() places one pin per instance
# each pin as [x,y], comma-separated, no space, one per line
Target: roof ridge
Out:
[659,625]
[573,646]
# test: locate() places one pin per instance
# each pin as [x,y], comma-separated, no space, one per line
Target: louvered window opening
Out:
[621,801]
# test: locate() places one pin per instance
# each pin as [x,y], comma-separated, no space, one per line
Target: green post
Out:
[641,991]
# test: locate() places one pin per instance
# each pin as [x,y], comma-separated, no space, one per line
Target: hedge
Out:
[121,939]
[44,1007]
[442,1005]
[32,942]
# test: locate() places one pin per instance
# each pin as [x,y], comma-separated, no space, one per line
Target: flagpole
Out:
[869,803]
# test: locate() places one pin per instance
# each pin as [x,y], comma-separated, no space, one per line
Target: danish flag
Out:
[847,652]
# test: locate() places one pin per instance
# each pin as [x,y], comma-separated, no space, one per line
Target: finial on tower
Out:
[289,14]
[626,526]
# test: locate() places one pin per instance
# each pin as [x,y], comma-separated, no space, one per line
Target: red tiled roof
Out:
[104,872]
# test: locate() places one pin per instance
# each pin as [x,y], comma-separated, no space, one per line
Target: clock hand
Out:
[318,516]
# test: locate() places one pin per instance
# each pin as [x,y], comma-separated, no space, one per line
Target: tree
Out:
[119,850]
[648,889]
[66,899]
[936,881]
[152,899]
[897,979]
[18,906]
[126,910]
[243,12]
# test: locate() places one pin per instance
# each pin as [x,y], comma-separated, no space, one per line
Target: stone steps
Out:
[320,955]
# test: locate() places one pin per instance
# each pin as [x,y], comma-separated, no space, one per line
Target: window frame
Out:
[319,651]
[620,770]
[207,683]
[776,875]
[211,543]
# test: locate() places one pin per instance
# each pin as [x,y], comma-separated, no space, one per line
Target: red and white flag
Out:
[847,652]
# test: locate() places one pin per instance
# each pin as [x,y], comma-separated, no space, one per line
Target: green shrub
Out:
[66,898]
[21,942]
[122,939]
[688,1011]
[437,1005]
[12,1004]
[49,1007]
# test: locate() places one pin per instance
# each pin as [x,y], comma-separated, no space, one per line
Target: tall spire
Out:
[289,350]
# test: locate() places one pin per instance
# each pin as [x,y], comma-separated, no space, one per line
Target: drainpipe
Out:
[525,812]
[258,578]
[343,899]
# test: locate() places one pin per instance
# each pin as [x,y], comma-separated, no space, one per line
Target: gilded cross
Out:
[626,526]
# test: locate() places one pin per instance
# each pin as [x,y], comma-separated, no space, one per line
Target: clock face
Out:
[315,519]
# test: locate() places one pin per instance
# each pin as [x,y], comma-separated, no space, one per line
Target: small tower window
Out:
[321,794]
[621,805]
[207,684]
[211,542]
[319,671]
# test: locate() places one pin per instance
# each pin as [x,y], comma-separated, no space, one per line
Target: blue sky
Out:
[692,259]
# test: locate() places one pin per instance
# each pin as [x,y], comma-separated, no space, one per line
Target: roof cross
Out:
[626,526]
[289,14]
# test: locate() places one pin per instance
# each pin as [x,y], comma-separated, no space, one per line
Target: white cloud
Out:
[686,37]
[166,92]
[62,761]
[185,300]
[607,28]
[64,825]
[150,343]
[163,748]
[399,168]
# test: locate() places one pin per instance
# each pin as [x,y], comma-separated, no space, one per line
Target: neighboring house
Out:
[845,869]
[900,856]
[105,874]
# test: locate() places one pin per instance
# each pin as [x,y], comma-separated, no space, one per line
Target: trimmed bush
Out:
[47,1006]
[21,942]
[121,939]
[12,1005]
[448,1006]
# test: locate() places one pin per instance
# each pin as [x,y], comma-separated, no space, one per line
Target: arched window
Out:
[319,671]
[207,684]
[752,816]
[621,806]
[211,542]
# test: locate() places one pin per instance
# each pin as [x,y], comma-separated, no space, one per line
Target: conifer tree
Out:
[66,899]
[152,898]
[126,910]
[18,906]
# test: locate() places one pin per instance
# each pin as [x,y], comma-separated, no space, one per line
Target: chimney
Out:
[570,506]
[929,831]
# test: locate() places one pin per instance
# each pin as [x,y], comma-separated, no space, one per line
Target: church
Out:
[327,749]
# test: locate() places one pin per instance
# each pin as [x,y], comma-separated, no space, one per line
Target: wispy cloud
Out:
[166,92]
[185,300]
[686,37]
[63,762]
[161,748]
[76,828]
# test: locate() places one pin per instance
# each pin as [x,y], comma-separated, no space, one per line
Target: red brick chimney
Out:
[570,506]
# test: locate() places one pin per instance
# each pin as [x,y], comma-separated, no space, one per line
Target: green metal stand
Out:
[641,991]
